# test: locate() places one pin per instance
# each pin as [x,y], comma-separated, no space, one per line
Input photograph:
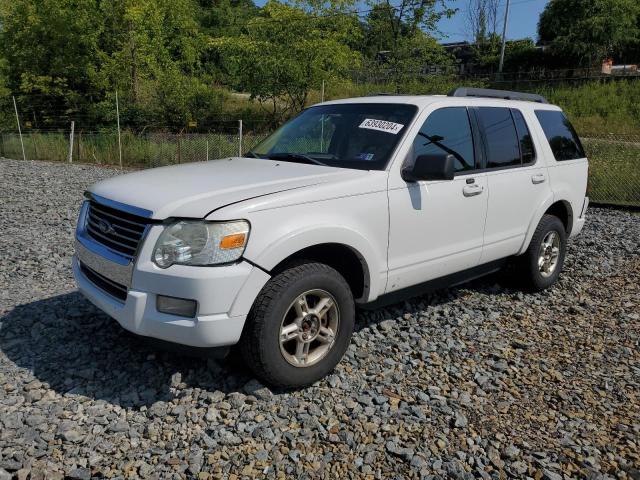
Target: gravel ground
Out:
[480,381]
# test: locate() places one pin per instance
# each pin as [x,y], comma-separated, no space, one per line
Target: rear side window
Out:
[524,137]
[503,148]
[561,135]
[447,130]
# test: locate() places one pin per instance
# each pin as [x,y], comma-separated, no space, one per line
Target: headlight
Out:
[201,243]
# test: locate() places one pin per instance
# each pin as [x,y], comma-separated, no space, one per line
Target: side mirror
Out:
[431,167]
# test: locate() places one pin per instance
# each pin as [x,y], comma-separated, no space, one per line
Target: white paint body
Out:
[404,233]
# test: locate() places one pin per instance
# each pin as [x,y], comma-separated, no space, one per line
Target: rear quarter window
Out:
[561,135]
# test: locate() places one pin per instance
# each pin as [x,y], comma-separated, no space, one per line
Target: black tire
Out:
[260,341]
[527,266]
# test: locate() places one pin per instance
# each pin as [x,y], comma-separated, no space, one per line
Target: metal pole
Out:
[207,150]
[240,138]
[322,121]
[15,107]
[73,125]
[504,37]
[118,121]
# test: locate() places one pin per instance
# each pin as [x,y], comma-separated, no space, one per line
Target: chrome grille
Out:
[119,231]
[114,289]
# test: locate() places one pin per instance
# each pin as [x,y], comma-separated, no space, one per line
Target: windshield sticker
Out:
[381,125]
[365,156]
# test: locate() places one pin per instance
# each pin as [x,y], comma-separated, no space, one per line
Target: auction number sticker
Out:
[381,125]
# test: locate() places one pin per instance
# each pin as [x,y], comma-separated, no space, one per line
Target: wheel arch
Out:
[347,251]
[560,208]
[344,259]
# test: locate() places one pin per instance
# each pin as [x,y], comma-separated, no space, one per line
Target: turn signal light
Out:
[233,241]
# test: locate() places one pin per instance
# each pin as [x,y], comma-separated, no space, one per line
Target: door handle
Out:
[538,178]
[471,190]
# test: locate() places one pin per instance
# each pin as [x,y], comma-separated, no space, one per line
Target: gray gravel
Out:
[480,381]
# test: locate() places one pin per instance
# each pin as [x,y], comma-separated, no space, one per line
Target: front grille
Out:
[119,231]
[114,289]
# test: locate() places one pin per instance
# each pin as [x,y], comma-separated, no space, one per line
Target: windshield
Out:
[349,135]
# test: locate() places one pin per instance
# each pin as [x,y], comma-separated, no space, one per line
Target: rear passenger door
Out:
[517,179]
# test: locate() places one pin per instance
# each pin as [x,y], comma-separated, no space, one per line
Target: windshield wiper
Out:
[295,157]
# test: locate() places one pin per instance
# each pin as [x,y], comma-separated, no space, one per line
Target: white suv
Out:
[353,201]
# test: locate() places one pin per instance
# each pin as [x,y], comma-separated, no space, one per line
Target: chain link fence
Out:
[614,168]
[614,160]
[139,150]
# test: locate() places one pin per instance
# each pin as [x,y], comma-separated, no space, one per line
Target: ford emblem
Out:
[105,227]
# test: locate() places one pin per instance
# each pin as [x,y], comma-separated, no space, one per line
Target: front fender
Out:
[281,248]
[356,215]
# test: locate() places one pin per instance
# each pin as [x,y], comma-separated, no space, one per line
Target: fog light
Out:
[176,306]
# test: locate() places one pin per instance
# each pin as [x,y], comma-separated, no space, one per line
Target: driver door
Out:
[437,227]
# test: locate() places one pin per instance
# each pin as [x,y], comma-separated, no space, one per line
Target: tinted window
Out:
[562,137]
[527,150]
[447,131]
[502,141]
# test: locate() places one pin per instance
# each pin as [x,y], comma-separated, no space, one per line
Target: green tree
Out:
[585,32]
[398,35]
[66,58]
[226,17]
[285,53]
[50,53]
[151,53]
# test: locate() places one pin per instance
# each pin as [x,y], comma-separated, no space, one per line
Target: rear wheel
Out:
[541,264]
[299,326]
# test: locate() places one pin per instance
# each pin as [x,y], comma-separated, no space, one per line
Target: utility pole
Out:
[504,37]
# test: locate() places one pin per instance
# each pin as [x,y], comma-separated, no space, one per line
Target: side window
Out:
[527,149]
[503,148]
[447,130]
[561,135]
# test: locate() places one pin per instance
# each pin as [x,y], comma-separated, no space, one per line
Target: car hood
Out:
[195,189]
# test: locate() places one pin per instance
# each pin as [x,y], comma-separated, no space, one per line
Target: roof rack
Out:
[490,93]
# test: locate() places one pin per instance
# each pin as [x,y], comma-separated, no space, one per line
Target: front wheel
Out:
[541,264]
[299,326]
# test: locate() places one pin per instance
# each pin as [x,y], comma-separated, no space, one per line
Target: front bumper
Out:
[224,294]
[138,313]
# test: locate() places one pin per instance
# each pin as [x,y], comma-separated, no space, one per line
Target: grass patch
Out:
[148,150]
